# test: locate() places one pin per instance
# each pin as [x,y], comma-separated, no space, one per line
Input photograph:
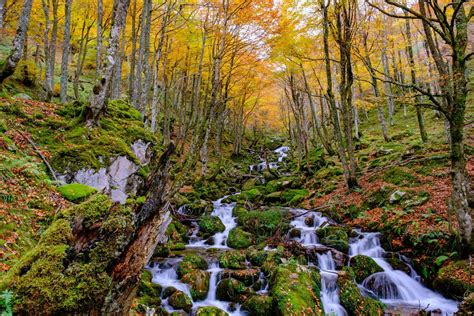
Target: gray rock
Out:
[396,196]
[141,151]
[90,177]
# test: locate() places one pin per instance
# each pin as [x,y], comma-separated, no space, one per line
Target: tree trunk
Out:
[66,48]
[117,82]
[100,89]
[100,14]
[133,55]
[2,12]
[18,42]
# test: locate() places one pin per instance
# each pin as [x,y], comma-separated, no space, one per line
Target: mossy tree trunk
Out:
[18,42]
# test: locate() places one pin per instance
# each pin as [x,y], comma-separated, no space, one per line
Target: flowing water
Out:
[400,291]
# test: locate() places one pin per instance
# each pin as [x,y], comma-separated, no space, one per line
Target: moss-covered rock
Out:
[246,276]
[179,300]
[256,257]
[232,260]
[168,291]
[189,263]
[258,305]
[76,192]
[453,279]
[249,184]
[198,281]
[239,239]
[230,290]
[238,211]
[147,287]
[363,266]
[335,237]
[294,196]
[296,291]
[210,311]
[400,177]
[209,225]
[265,223]
[352,300]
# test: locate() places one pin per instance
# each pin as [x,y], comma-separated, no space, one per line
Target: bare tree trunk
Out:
[100,89]
[18,42]
[81,56]
[66,48]
[98,56]
[117,82]
[133,55]
[3,5]
[137,90]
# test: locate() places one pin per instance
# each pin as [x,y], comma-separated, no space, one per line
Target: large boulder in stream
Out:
[246,276]
[363,266]
[296,290]
[189,263]
[351,298]
[266,223]
[209,225]
[239,239]
[180,300]
[232,259]
[335,237]
[230,290]
[256,257]
[198,282]
[210,311]
[258,305]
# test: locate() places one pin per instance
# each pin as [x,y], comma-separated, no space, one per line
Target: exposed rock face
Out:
[119,179]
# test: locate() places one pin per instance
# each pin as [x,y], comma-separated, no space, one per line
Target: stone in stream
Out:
[180,300]
[258,305]
[256,257]
[210,311]
[246,276]
[210,225]
[363,266]
[295,233]
[232,259]
[382,285]
[230,290]
[198,281]
[309,221]
[239,239]
[168,291]
[335,237]
[189,263]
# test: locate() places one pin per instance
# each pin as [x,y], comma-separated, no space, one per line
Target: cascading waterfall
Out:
[393,287]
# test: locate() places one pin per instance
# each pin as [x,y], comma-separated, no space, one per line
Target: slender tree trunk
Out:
[66,48]
[100,89]
[18,42]
[133,55]
[98,56]
[117,83]
[3,5]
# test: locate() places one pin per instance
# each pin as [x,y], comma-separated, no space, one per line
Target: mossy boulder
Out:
[352,300]
[273,197]
[210,311]
[76,192]
[249,184]
[453,279]
[179,300]
[239,239]
[294,196]
[400,177]
[335,237]
[363,266]
[249,195]
[230,290]
[198,281]
[256,257]
[168,291]
[264,224]
[296,291]
[209,225]
[198,207]
[246,276]
[259,305]
[189,263]
[147,287]
[232,260]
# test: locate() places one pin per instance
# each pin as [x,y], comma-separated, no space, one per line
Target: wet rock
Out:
[210,225]
[179,300]
[295,233]
[363,266]
[210,311]
[309,221]
[256,257]
[232,259]
[189,263]
[239,239]
[351,298]
[168,291]
[258,305]
[147,287]
[397,263]
[295,290]
[230,290]
[382,286]
[198,281]
[210,241]
[246,276]
[335,237]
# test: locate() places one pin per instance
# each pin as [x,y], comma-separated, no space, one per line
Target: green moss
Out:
[256,257]
[198,282]
[191,262]
[250,195]
[264,223]
[210,311]
[76,192]
[352,300]
[295,291]
[179,300]
[452,280]
[239,239]
[209,225]
[294,196]
[232,259]
[363,266]
[238,211]
[89,211]
[249,184]
[335,237]
[400,177]
[230,290]
[258,305]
